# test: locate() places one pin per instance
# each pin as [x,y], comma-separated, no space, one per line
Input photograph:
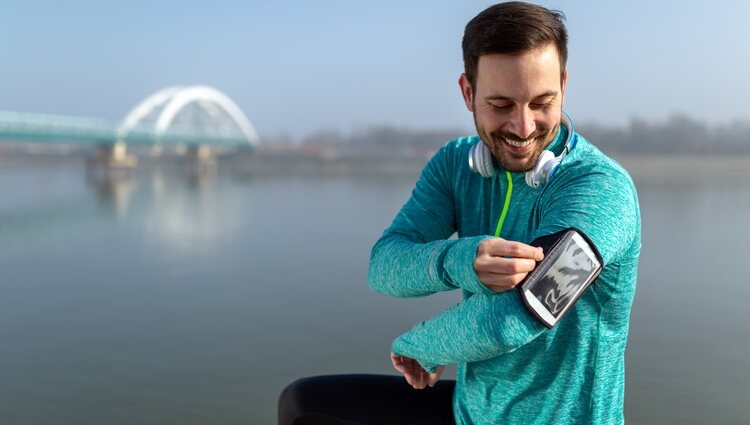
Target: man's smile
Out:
[519,143]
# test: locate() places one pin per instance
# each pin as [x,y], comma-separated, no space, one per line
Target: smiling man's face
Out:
[517,104]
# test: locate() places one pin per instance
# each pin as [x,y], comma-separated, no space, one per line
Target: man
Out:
[512,369]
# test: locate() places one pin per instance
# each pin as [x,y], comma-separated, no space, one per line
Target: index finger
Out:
[516,249]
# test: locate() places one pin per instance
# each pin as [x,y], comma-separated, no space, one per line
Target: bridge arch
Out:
[163,106]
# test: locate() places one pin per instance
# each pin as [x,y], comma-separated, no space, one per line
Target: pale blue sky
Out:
[295,67]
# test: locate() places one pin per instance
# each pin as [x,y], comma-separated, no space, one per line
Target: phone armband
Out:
[571,264]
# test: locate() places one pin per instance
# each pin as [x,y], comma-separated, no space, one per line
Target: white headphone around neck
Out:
[482,162]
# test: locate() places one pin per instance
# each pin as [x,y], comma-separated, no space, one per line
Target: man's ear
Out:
[564,82]
[466,92]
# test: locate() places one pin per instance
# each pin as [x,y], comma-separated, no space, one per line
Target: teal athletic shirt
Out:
[511,368]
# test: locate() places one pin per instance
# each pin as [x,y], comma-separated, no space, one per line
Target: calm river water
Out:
[175,299]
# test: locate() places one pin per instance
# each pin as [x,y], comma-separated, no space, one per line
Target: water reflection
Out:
[171,297]
[180,207]
[113,190]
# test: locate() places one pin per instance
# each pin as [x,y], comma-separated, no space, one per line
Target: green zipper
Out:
[505,205]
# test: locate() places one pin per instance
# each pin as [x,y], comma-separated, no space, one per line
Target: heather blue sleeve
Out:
[603,204]
[414,257]
[480,328]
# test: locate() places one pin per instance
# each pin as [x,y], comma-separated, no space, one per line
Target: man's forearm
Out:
[480,328]
[403,268]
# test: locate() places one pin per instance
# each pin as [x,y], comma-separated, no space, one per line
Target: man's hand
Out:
[415,375]
[501,264]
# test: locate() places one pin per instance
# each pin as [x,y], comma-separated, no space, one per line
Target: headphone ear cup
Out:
[480,160]
[538,175]
[552,169]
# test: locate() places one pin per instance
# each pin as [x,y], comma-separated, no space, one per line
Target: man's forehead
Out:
[528,74]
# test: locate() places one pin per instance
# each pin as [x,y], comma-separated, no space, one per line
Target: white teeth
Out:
[519,144]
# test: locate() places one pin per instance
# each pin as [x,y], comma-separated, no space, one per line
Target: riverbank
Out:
[684,166]
[639,166]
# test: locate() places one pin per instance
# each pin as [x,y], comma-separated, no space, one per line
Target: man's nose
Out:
[522,123]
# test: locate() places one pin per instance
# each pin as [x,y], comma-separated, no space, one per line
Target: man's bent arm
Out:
[414,257]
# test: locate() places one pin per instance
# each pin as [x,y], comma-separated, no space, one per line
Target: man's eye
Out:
[538,106]
[501,107]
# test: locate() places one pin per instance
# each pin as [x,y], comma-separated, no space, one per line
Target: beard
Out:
[510,161]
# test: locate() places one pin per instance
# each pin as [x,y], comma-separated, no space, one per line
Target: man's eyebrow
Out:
[549,93]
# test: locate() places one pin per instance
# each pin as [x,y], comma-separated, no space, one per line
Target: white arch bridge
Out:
[194,116]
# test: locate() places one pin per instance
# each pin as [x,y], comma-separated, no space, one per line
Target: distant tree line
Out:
[677,135]
[385,137]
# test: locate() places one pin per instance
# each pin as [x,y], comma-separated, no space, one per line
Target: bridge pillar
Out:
[114,156]
[202,156]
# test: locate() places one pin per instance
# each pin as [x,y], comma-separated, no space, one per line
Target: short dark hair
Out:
[512,28]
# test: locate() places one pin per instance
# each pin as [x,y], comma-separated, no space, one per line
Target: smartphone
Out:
[570,265]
